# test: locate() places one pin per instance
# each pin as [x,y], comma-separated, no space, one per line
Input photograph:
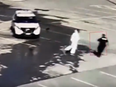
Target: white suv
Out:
[24,23]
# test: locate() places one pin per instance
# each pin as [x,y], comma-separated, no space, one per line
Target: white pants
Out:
[72,47]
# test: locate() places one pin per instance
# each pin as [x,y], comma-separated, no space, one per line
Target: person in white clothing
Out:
[74,43]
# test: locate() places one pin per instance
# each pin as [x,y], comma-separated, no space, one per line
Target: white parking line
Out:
[99,17]
[74,12]
[109,7]
[96,11]
[41,85]
[97,6]
[16,0]
[104,7]
[3,66]
[87,83]
[5,16]
[107,74]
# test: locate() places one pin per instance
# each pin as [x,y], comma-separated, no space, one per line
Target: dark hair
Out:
[103,35]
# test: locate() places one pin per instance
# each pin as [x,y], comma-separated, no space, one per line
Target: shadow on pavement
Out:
[6,12]
[28,62]
[32,60]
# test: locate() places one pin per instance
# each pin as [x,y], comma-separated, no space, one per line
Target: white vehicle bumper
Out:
[37,31]
[18,31]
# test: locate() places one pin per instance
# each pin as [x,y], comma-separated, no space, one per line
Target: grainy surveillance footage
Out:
[57,43]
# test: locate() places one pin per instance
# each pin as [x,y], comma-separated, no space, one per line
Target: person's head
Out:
[77,31]
[103,35]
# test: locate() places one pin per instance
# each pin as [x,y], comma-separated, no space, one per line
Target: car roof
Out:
[24,13]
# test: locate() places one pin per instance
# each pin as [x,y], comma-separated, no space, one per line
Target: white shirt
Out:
[75,36]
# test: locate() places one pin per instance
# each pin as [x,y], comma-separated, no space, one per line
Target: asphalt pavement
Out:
[28,60]
[36,59]
[103,77]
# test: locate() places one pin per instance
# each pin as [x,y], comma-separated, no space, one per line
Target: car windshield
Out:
[26,19]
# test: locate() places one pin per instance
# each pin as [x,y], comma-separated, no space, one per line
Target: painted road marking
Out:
[99,17]
[72,12]
[87,83]
[6,16]
[16,0]
[97,6]
[3,66]
[41,85]
[104,7]
[109,7]
[96,11]
[108,74]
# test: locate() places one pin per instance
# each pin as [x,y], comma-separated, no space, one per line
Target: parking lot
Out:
[25,61]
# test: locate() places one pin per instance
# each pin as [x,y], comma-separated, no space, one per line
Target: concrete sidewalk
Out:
[74,20]
[15,0]
[112,1]
[93,62]
[90,62]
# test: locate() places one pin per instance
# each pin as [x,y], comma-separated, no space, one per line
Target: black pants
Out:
[100,49]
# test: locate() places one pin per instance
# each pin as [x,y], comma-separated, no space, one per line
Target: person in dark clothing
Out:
[102,44]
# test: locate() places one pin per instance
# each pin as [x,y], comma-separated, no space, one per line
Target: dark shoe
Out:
[98,54]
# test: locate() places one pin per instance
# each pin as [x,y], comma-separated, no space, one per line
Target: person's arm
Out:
[99,39]
[107,43]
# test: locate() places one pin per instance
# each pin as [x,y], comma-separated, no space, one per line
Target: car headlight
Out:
[18,30]
[37,31]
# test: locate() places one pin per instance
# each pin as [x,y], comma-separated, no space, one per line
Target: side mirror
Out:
[13,20]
